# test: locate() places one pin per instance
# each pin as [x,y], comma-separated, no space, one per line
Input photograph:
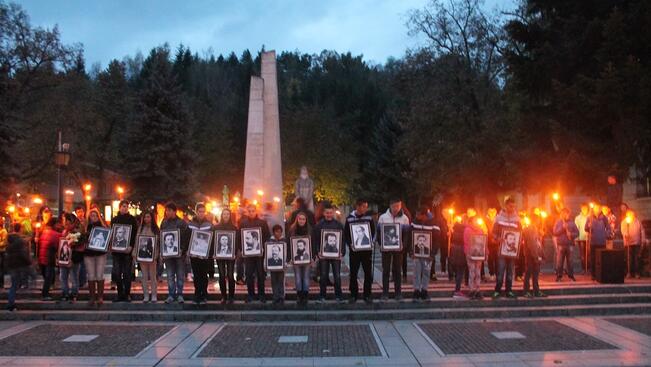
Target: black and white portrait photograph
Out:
[225,245]
[390,237]
[121,238]
[99,239]
[510,245]
[330,244]
[146,251]
[170,243]
[251,245]
[200,244]
[301,250]
[360,235]
[422,243]
[275,256]
[478,244]
[64,254]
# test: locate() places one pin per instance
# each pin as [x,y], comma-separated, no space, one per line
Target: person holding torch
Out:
[634,238]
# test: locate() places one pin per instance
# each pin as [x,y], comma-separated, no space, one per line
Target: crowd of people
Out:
[509,243]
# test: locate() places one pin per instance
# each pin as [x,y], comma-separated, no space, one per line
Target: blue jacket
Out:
[565,237]
[598,229]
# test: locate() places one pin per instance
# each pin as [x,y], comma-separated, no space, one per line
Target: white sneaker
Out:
[169,300]
[180,299]
[153,299]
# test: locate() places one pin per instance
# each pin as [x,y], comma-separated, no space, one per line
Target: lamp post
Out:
[61,159]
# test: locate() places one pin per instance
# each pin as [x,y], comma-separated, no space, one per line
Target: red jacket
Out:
[48,240]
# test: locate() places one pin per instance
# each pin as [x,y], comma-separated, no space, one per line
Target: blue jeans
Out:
[16,276]
[64,274]
[336,273]
[175,276]
[505,265]
[564,256]
[302,277]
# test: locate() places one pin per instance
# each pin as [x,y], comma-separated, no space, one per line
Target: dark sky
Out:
[111,29]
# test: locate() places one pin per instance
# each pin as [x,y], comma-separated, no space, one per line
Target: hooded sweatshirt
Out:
[599,229]
[401,218]
[432,226]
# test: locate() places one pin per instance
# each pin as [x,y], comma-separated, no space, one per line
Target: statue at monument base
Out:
[304,188]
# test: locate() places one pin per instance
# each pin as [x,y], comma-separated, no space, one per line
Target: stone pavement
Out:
[583,341]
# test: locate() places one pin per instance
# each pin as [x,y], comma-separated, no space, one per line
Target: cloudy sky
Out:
[115,28]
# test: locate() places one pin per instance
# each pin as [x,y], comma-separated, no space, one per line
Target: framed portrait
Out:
[200,244]
[170,245]
[422,243]
[251,242]
[510,243]
[390,237]
[64,254]
[121,238]
[478,244]
[225,245]
[275,255]
[360,236]
[145,249]
[301,250]
[330,244]
[99,239]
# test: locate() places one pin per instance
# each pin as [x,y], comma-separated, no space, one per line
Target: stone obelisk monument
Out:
[263,168]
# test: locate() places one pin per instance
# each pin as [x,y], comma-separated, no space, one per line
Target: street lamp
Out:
[61,159]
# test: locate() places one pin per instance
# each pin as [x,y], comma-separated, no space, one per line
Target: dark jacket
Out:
[598,229]
[48,243]
[130,220]
[457,255]
[204,225]
[565,237]
[178,223]
[316,235]
[533,251]
[430,225]
[354,217]
[17,253]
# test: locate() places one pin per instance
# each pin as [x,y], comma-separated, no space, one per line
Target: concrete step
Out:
[495,312]
[408,304]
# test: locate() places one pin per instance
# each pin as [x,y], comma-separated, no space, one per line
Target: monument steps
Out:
[331,313]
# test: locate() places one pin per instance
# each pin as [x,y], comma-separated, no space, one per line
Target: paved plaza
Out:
[586,341]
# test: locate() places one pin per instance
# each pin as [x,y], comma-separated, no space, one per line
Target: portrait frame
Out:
[268,247]
[478,244]
[64,263]
[366,226]
[199,253]
[127,231]
[251,252]
[428,244]
[139,244]
[504,246]
[231,239]
[177,241]
[308,249]
[94,237]
[384,239]
[330,255]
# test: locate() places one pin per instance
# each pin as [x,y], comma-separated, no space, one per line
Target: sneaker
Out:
[458,295]
[572,278]
[528,294]
[341,301]
[368,300]
[399,298]
[495,295]
[558,279]
[479,296]
[384,298]
[540,294]
[320,300]
[11,308]
[352,300]
[169,300]
[154,299]
[230,301]
[180,299]
[511,295]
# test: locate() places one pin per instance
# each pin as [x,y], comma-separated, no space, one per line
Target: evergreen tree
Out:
[160,159]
